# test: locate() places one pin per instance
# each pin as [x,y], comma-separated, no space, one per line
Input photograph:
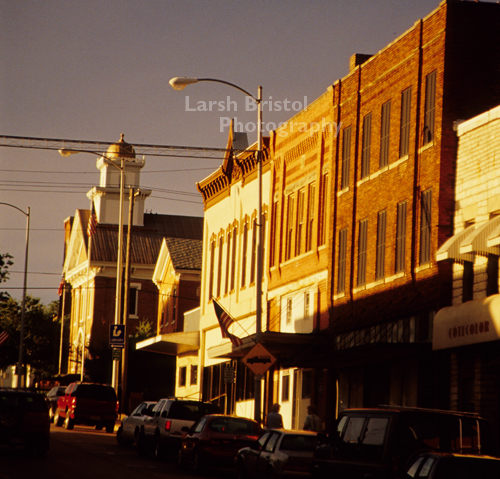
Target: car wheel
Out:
[241,470]
[110,427]
[159,450]
[197,463]
[69,424]
[142,449]
[136,436]
[180,460]
[58,420]
[270,474]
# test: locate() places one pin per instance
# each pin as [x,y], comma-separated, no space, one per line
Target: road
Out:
[85,453]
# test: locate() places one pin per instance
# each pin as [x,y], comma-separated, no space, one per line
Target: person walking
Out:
[313,421]
[274,418]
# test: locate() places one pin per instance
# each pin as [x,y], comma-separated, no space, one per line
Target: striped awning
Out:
[451,249]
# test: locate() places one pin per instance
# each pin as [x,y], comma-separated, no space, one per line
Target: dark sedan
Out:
[279,453]
[435,465]
[215,440]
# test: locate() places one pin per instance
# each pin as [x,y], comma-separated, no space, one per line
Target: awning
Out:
[173,343]
[450,250]
[283,346]
[472,322]
[477,242]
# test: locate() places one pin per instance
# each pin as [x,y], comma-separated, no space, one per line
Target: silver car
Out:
[278,453]
[129,430]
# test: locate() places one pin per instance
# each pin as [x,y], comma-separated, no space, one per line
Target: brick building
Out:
[90,263]
[382,141]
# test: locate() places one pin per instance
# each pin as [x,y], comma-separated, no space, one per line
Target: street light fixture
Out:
[179,83]
[119,261]
[20,381]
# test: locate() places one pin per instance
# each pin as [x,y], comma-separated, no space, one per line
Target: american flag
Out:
[224,322]
[61,287]
[4,335]
[92,226]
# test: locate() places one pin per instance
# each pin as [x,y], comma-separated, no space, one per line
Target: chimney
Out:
[358,59]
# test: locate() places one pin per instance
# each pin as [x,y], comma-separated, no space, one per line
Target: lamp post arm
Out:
[257,100]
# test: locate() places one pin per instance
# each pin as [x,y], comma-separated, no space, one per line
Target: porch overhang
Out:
[283,346]
[172,344]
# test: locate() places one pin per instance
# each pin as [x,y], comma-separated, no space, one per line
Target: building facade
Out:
[468,331]
[90,264]
[383,137]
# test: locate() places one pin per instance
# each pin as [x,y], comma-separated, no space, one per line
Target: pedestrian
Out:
[274,418]
[313,421]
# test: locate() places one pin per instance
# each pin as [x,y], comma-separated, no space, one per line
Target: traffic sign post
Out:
[259,359]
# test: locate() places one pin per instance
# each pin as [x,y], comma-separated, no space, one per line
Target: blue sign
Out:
[117,335]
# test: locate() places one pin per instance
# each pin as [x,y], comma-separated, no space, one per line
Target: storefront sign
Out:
[472,322]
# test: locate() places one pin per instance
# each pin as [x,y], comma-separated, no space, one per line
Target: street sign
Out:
[259,359]
[116,354]
[229,375]
[117,335]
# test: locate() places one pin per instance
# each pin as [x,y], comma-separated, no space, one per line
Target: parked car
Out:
[278,453]
[434,465]
[215,440]
[87,403]
[380,442]
[52,397]
[129,429]
[162,431]
[24,420]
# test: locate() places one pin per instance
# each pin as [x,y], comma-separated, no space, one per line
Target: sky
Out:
[95,69]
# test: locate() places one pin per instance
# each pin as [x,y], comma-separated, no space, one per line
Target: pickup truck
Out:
[161,431]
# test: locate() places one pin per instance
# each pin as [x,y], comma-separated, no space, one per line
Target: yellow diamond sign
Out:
[259,359]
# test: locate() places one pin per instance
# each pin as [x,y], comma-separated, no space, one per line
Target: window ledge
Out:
[341,192]
[426,146]
[422,267]
[399,162]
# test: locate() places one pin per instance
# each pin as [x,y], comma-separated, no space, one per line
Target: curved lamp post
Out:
[179,83]
[20,381]
[119,260]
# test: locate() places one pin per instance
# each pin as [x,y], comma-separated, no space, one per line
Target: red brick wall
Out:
[461,42]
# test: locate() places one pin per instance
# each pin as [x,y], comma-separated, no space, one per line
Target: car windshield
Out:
[191,410]
[297,442]
[234,426]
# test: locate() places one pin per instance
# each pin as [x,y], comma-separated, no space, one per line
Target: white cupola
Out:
[106,196]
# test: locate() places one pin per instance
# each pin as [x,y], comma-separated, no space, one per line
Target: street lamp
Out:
[122,153]
[179,83]
[20,376]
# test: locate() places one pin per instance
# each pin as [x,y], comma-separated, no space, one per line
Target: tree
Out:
[5,262]
[41,333]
